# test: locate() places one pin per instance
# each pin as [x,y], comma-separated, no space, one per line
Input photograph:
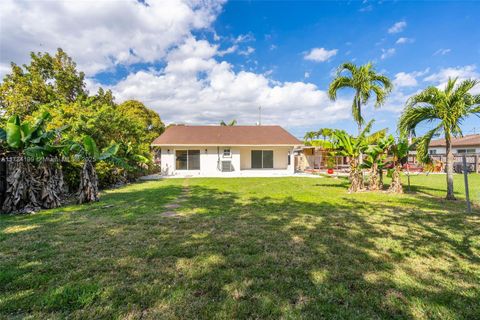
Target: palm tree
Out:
[447,108]
[230,124]
[365,81]
[310,136]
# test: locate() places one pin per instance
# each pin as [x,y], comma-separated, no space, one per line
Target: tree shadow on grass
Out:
[234,257]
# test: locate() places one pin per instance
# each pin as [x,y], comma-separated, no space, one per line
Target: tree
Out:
[47,79]
[349,146]
[88,152]
[310,136]
[376,160]
[399,151]
[448,108]
[34,180]
[365,81]
[230,124]
[148,120]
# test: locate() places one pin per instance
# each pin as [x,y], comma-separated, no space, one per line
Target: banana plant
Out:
[376,160]
[352,147]
[399,151]
[32,182]
[88,152]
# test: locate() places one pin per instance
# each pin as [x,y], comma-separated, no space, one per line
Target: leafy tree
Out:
[88,152]
[148,121]
[47,79]
[448,108]
[365,81]
[230,124]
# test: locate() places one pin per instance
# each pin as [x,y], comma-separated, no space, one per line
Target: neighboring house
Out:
[226,150]
[469,144]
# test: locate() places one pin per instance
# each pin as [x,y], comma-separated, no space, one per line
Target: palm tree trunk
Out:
[449,168]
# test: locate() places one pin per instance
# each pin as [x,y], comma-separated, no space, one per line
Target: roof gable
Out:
[225,135]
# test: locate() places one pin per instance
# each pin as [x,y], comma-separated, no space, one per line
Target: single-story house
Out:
[226,150]
[469,144]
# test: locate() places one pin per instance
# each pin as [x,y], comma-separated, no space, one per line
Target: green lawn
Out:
[246,248]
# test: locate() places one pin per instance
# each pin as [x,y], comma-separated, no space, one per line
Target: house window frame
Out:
[262,157]
[466,151]
[227,154]
[188,159]
[432,151]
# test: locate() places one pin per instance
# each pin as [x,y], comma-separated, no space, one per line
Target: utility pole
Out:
[465,176]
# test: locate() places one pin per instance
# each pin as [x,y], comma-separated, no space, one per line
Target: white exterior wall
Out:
[443,150]
[209,156]
[280,157]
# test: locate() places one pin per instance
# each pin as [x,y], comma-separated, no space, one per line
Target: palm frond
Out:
[339,83]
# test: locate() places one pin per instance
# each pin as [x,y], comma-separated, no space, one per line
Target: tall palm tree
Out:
[447,108]
[365,81]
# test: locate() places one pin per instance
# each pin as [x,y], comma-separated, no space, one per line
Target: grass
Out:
[246,248]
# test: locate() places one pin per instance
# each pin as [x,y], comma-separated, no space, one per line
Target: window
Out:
[463,151]
[432,151]
[227,153]
[262,159]
[187,159]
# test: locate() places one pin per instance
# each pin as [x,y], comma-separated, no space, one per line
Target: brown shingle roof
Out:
[225,135]
[471,140]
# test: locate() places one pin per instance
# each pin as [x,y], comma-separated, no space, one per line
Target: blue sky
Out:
[210,61]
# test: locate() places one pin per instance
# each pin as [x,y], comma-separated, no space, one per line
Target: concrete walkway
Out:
[171,208]
[244,174]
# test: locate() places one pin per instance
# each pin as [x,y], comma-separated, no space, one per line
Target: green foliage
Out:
[366,82]
[350,146]
[30,140]
[45,80]
[448,108]
[52,84]
[231,123]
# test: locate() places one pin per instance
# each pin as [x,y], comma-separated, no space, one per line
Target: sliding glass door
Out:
[187,159]
[262,159]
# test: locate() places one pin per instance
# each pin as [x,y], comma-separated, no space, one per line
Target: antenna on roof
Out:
[259,123]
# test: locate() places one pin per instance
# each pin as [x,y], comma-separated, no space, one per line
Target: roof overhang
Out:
[224,145]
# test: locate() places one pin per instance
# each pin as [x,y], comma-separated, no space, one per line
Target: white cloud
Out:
[465,72]
[397,27]
[403,79]
[209,90]
[306,75]
[100,34]
[193,86]
[320,54]
[403,40]
[229,50]
[387,53]
[248,51]
[442,52]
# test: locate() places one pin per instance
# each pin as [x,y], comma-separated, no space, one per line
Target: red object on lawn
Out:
[330,171]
